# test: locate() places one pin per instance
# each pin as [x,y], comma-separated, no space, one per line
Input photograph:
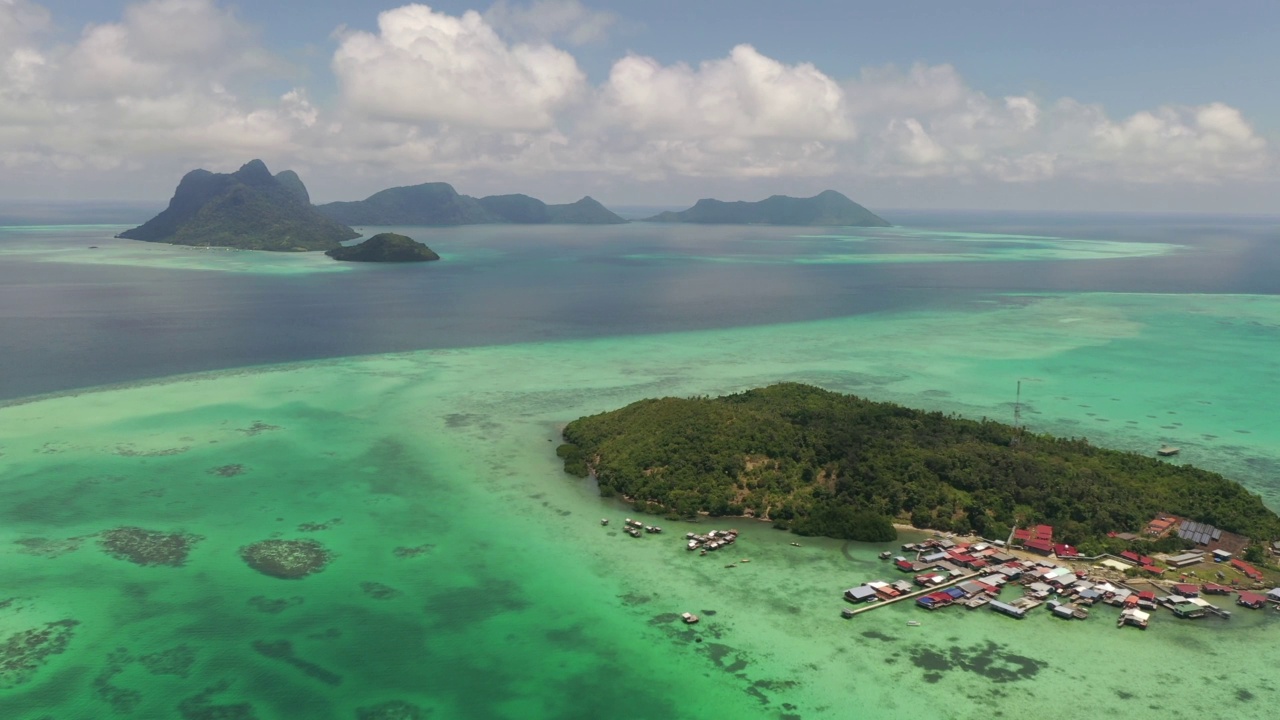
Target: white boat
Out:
[688,618]
[913,623]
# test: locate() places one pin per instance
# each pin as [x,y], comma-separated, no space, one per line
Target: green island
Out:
[385,248]
[440,204]
[828,208]
[249,209]
[822,463]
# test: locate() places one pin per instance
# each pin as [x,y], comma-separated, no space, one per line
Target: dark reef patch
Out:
[990,660]
[634,599]
[392,710]
[1243,695]
[175,661]
[877,635]
[258,427]
[378,591]
[122,700]
[226,470]
[404,553]
[26,651]
[49,548]
[273,606]
[286,559]
[201,707]
[317,527]
[148,547]
[282,650]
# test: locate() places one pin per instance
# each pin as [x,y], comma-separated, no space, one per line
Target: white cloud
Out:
[151,88]
[427,66]
[175,84]
[746,95]
[549,20]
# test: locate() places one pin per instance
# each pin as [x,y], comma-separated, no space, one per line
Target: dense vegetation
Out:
[823,463]
[387,248]
[440,204]
[826,208]
[248,209]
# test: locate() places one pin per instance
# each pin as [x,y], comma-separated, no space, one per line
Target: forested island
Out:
[249,209]
[822,463]
[828,208]
[385,248]
[440,204]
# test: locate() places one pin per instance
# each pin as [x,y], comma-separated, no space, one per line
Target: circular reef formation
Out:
[148,547]
[287,559]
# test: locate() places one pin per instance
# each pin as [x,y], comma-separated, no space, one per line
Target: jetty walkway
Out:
[926,591]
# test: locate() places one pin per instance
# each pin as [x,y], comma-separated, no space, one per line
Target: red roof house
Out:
[1153,569]
[1252,600]
[1044,532]
[1044,547]
[1186,590]
[1246,568]
[1063,550]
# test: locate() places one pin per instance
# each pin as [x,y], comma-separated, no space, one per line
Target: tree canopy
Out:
[823,463]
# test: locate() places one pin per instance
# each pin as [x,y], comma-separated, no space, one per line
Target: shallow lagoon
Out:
[510,600]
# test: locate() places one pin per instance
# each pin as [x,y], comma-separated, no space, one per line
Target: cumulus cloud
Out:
[746,95]
[179,83]
[423,65]
[154,85]
[551,20]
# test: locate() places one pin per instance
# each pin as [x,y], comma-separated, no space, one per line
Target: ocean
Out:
[166,412]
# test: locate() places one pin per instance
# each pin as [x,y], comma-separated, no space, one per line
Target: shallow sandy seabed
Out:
[522,605]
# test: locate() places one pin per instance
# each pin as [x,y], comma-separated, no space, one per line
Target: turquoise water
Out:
[471,578]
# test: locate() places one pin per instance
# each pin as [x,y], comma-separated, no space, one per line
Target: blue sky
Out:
[1082,105]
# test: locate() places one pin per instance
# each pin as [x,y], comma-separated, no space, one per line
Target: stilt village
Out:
[947,572]
[1014,577]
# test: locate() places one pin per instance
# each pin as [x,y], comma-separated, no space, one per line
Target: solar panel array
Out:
[1199,533]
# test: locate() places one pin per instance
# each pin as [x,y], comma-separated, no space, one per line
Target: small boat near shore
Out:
[886,555]
[913,623]
[688,618]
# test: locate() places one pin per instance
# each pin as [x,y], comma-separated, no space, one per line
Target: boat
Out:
[1168,451]
[847,613]
[886,555]
[795,544]
[604,521]
[977,601]
[913,623]
[688,618]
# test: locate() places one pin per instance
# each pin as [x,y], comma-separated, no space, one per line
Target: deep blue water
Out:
[66,326]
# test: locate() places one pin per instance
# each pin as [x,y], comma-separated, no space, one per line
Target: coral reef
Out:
[26,651]
[286,559]
[148,547]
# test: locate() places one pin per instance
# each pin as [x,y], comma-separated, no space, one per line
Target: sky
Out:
[1143,105]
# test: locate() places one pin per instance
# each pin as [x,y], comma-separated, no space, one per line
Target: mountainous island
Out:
[248,209]
[439,204]
[828,208]
[821,463]
[385,248]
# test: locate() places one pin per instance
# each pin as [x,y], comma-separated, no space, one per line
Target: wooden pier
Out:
[926,591]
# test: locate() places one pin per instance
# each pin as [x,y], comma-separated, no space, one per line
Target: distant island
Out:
[828,208]
[385,248]
[439,204]
[249,209]
[822,463]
